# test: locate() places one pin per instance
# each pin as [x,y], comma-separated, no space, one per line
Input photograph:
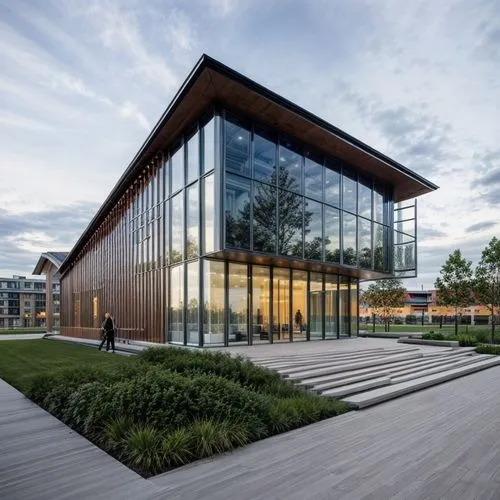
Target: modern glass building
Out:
[242,219]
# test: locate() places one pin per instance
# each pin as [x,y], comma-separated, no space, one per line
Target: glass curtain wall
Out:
[316,304]
[344,300]
[238,303]
[299,305]
[213,302]
[281,305]
[261,298]
[283,199]
[176,316]
[331,307]
[192,305]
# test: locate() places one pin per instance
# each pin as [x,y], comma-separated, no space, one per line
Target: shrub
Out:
[143,450]
[433,336]
[217,363]
[466,340]
[482,336]
[211,437]
[488,349]
[177,448]
[116,434]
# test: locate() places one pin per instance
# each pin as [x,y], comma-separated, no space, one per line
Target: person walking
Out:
[108,327]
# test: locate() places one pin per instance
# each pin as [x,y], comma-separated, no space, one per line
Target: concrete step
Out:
[451,351]
[375,396]
[411,375]
[277,357]
[310,382]
[332,384]
[287,370]
[324,359]
[442,343]
[338,380]
[357,387]
[342,367]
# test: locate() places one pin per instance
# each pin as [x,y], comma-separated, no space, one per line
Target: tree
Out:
[383,296]
[455,285]
[487,281]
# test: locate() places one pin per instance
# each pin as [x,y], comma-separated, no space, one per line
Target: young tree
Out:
[455,285]
[383,296]
[487,281]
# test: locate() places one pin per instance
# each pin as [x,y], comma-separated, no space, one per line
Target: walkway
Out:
[440,443]
[41,458]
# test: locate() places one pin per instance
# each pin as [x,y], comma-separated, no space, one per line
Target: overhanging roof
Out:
[55,258]
[211,81]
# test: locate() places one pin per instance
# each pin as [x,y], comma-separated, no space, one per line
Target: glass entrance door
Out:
[331,314]
[316,314]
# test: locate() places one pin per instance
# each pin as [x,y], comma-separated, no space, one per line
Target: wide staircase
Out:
[368,377]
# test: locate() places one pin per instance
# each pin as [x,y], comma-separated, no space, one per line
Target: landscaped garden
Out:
[15,331]
[163,408]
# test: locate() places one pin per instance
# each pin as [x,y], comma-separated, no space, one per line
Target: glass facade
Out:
[253,230]
[283,199]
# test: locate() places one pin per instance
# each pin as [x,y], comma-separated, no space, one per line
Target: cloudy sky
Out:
[83,82]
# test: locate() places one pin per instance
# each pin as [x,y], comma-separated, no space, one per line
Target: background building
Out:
[22,302]
[48,264]
[423,304]
[242,219]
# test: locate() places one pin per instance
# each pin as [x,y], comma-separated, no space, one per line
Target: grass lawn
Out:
[21,360]
[22,330]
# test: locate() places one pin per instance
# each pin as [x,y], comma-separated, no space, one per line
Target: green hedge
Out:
[488,349]
[167,407]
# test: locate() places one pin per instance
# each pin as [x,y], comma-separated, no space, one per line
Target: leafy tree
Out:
[383,296]
[487,281]
[455,285]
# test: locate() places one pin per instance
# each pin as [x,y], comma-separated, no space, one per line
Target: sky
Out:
[83,83]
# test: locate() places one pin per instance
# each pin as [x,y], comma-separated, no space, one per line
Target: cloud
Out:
[181,31]
[425,233]
[481,226]
[24,236]
[489,178]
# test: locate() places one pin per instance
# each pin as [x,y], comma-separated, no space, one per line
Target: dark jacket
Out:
[108,327]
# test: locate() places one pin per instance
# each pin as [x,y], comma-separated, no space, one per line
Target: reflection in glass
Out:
[261,301]
[378,204]
[316,314]
[193,290]
[209,213]
[264,218]
[313,179]
[237,149]
[332,234]
[378,249]
[177,167]
[331,311]
[404,256]
[209,146]
[290,224]
[290,167]
[281,304]
[365,200]
[177,211]
[354,307]
[313,224]
[365,243]
[299,304]
[237,212]
[344,322]
[349,194]
[349,239]
[332,185]
[166,177]
[176,316]
[238,303]
[166,233]
[193,158]
[264,159]
[213,302]
[193,222]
